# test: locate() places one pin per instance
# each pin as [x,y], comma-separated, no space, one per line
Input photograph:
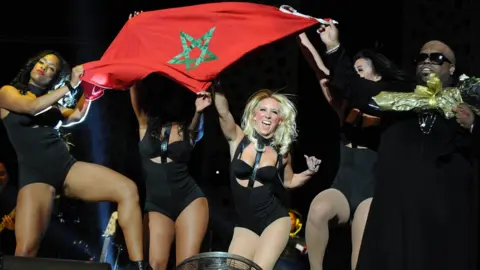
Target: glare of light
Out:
[217,172]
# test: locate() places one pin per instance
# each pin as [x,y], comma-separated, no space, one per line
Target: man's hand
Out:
[465,116]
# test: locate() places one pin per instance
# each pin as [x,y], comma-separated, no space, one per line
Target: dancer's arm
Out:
[294,180]
[203,100]
[195,120]
[134,98]
[77,115]
[313,57]
[12,100]
[321,71]
[230,129]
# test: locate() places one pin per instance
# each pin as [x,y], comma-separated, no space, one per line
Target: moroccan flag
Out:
[190,45]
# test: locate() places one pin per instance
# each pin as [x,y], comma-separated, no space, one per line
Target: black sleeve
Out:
[476,136]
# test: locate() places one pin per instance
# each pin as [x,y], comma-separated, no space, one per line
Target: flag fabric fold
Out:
[190,45]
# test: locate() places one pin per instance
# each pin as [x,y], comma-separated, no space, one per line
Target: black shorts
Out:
[355,176]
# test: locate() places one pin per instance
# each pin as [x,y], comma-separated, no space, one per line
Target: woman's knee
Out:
[128,192]
[158,263]
[320,212]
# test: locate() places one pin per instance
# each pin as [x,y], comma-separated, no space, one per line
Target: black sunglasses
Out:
[435,58]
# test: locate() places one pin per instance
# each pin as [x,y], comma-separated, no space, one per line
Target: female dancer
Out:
[31,115]
[176,206]
[350,196]
[260,172]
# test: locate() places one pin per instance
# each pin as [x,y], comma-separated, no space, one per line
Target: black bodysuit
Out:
[170,188]
[257,207]
[42,155]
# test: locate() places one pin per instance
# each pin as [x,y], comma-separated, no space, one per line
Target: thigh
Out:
[272,243]
[33,211]
[92,182]
[359,221]
[190,228]
[244,243]
[162,233]
[329,204]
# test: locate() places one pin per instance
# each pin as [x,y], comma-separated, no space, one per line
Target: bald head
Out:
[436,57]
[438,46]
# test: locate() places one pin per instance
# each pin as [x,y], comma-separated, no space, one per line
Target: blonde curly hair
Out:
[286,132]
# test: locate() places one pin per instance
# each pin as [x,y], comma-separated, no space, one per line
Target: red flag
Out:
[191,45]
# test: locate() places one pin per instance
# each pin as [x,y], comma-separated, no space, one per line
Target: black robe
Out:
[424,211]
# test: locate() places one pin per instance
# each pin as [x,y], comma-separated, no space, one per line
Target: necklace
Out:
[426,122]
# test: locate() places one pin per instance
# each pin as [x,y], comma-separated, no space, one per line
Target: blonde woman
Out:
[260,171]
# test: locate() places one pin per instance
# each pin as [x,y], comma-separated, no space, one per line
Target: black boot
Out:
[138,265]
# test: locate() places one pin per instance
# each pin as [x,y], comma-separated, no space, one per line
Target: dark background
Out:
[82,29]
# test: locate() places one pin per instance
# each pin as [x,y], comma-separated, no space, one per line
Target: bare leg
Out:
[94,183]
[272,243]
[162,233]
[358,226]
[244,243]
[34,206]
[190,228]
[327,205]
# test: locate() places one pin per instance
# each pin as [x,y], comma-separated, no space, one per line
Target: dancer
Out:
[175,205]
[353,83]
[31,115]
[422,215]
[260,172]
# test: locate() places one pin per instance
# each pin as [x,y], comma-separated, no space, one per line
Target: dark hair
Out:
[23,77]
[165,101]
[383,66]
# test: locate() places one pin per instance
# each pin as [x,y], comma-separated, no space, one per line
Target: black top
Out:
[271,176]
[346,85]
[29,134]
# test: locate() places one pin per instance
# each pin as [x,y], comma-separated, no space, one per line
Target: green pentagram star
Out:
[201,43]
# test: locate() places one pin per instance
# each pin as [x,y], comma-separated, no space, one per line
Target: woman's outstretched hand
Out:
[313,163]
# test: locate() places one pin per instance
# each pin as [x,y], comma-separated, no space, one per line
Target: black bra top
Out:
[243,171]
[266,174]
[153,145]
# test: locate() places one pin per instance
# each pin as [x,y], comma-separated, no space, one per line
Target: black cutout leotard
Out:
[170,188]
[257,207]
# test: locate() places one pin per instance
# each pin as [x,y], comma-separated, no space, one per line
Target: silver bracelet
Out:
[334,49]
